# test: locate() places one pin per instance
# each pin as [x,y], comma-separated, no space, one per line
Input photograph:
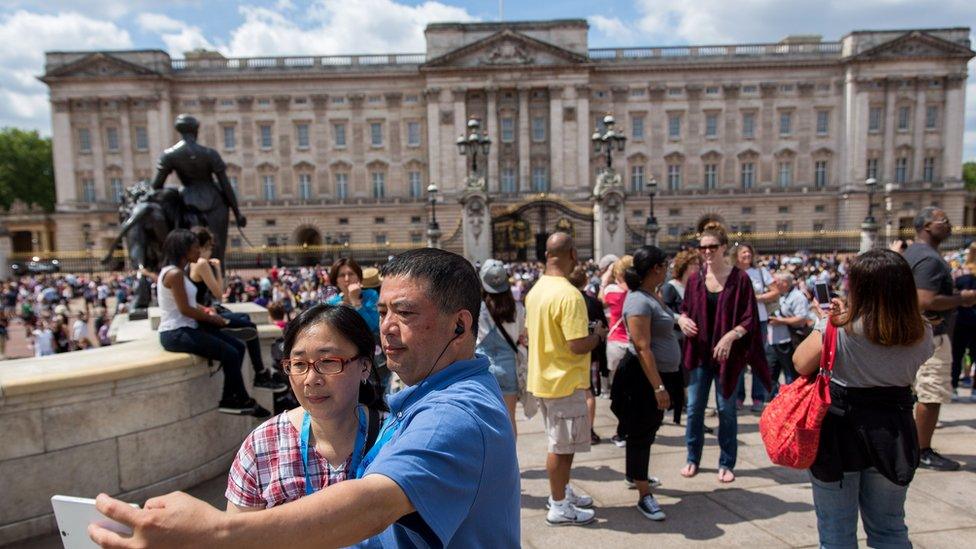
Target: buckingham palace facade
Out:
[334,149]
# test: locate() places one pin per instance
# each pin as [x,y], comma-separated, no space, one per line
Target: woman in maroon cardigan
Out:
[720,318]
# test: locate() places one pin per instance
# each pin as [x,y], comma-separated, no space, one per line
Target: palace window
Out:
[342,186]
[142,139]
[413,134]
[413,178]
[116,185]
[636,179]
[874,119]
[508,180]
[540,180]
[230,137]
[84,140]
[748,125]
[748,174]
[711,125]
[376,134]
[339,133]
[508,129]
[305,186]
[904,118]
[785,174]
[88,190]
[872,168]
[538,129]
[674,126]
[265,136]
[112,139]
[820,174]
[931,117]
[269,187]
[823,122]
[711,176]
[785,123]
[901,170]
[637,127]
[674,177]
[747,210]
[379,184]
[302,131]
[928,169]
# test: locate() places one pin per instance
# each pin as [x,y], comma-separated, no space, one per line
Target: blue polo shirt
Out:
[453,455]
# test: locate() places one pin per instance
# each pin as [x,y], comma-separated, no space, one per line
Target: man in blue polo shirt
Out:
[444,471]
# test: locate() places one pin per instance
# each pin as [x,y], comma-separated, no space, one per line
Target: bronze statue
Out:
[206,192]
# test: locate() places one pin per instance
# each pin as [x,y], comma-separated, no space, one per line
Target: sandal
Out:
[726,476]
[689,470]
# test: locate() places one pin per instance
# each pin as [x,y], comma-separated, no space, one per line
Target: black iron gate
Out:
[520,230]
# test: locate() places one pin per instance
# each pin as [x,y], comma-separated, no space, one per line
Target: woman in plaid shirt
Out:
[329,362]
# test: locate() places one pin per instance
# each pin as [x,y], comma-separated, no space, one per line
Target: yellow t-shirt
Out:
[554,314]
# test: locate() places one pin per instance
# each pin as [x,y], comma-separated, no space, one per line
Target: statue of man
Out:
[207,193]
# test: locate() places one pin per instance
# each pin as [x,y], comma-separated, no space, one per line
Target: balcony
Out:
[739,52]
[318,63]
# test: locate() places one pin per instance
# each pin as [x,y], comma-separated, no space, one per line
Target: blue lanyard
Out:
[389,428]
[357,450]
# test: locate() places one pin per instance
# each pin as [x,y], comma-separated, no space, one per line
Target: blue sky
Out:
[282,27]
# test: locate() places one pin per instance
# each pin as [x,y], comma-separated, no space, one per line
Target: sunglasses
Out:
[709,247]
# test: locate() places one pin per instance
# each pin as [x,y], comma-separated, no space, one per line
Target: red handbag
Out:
[790,424]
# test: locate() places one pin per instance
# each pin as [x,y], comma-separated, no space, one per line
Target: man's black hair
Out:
[452,282]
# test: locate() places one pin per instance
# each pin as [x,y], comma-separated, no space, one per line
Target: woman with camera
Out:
[868,448]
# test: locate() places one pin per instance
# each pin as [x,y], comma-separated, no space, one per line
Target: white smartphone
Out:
[75,514]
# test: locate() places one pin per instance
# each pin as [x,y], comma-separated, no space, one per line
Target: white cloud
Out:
[613,28]
[353,26]
[178,36]
[25,37]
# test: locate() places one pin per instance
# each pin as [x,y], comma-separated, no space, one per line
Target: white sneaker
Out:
[579,500]
[569,514]
[653,482]
[955,396]
[649,507]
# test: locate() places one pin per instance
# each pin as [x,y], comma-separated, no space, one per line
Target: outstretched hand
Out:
[173,520]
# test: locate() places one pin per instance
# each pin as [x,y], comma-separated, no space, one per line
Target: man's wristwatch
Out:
[660,389]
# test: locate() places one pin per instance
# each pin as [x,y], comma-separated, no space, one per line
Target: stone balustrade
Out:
[131,419]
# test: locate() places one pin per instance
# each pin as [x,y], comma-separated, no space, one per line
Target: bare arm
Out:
[928,300]
[583,345]
[203,271]
[234,508]
[806,357]
[174,281]
[332,517]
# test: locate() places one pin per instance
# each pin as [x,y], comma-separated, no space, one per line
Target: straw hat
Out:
[371,278]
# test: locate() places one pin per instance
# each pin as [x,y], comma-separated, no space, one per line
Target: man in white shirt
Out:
[792,314]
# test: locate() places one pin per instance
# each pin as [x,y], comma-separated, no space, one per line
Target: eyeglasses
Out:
[709,247]
[327,365]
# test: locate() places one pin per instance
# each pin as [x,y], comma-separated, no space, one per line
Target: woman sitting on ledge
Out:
[329,361]
[186,327]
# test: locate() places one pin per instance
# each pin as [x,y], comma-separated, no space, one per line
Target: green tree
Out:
[26,169]
[969,175]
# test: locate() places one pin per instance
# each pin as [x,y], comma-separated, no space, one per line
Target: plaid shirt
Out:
[268,468]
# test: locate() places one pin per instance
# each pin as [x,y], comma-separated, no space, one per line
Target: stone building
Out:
[335,149]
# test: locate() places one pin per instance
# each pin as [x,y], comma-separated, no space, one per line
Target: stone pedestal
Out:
[869,236]
[651,229]
[476,223]
[609,222]
[433,235]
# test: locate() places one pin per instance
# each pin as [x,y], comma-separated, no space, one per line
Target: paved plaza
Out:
[767,506]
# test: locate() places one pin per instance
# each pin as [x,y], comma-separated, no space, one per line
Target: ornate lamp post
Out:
[869,227]
[475,144]
[433,229]
[650,227]
[608,140]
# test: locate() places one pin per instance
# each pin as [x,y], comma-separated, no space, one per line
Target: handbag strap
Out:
[501,330]
[828,352]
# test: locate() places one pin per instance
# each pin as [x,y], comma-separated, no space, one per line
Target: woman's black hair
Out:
[177,245]
[352,327]
[645,259]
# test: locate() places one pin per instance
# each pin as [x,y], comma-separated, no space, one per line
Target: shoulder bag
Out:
[790,424]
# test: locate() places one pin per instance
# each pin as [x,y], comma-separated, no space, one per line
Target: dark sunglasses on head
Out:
[711,247]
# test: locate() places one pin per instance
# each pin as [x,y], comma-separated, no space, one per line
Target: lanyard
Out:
[357,450]
[386,433]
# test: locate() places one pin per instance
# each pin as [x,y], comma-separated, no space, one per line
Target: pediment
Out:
[506,49]
[100,65]
[915,44]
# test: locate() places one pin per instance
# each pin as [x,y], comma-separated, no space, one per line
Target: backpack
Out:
[790,424]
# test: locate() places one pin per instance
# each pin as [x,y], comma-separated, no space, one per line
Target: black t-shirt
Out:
[966,317]
[931,273]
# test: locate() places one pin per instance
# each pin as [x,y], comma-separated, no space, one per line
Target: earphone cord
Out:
[432,366]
